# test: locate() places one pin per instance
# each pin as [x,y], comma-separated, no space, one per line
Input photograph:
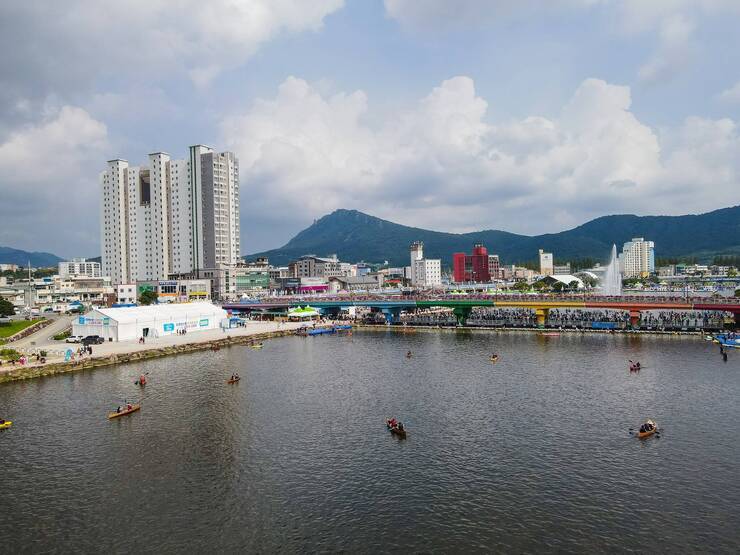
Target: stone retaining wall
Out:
[26,372]
[28,331]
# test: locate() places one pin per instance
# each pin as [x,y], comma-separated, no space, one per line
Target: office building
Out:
[471,267]
[494,266]
[546,263]
[637,258]
[170,216]
[425,272]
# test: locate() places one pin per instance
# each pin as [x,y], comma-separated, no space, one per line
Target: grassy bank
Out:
[6,330]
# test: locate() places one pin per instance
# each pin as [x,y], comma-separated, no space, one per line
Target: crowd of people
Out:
[680,319]
[564,318]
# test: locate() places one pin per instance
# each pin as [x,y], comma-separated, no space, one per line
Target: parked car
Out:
[92,340]
[73,339]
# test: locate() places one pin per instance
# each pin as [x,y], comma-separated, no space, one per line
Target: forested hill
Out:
[355,236]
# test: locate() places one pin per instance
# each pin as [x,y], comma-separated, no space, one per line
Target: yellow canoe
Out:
[124,412]
[6,424]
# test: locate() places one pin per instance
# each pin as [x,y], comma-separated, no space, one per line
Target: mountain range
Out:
[355,236]
[9,255]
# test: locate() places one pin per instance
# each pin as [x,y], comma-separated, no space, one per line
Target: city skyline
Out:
[440,127]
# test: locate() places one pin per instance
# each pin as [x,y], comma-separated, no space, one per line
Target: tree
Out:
[6,308]
[573,285]
[148,297]
[589,281]
[520,286]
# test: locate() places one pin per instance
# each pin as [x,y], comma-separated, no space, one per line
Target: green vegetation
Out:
[9,354]
[355,236]
[6,330]
[62,336]
[23,274]
[6,308]
[148,297]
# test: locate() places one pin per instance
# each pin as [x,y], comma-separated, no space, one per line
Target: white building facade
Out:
[171,216]
[79,267]
[637,258]
[546,263]
[425,272]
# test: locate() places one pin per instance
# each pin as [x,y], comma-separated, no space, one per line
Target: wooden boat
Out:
[648,433]
[400,433]
[6,424]
[494,358]
[134,408]
[233,380]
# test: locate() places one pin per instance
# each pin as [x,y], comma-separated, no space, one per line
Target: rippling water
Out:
[529,454]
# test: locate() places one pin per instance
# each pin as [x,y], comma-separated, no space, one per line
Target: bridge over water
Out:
[391,307]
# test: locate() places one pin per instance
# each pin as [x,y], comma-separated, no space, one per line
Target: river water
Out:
[531,453]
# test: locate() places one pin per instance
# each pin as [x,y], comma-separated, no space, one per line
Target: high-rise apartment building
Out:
[637,258]
[171,216]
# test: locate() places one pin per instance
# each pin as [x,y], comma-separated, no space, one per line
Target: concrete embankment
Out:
[53,368]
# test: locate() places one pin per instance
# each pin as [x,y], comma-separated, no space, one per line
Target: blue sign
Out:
[204,323]
[81,320]
[169,327]
[603,325]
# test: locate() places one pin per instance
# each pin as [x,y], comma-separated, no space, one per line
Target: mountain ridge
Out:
[356,236]
[9,255]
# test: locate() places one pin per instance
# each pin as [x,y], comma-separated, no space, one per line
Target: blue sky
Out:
[526,115]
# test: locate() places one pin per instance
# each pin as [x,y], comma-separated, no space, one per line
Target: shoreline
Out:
[17,373]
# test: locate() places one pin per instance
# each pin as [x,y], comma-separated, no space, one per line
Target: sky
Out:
[531,116]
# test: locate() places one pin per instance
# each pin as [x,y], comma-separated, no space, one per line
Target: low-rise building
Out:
[177,290]
[370,282]
[126,293]
[79,267]
[561,269]
[153,321]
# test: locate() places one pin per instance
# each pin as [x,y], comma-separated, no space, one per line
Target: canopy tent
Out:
[128,323]
[305,312]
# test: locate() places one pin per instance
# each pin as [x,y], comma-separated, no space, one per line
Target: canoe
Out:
[396,432]
[233,380]
[258,346]
[6,424]
[642,435]
[134,408]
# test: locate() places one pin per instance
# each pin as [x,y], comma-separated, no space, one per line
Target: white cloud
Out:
[674,50]
[443,14]
[731,95]
[68,48]
[48,181]
[440,164]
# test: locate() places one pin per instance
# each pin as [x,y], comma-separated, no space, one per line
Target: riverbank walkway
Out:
[56,350]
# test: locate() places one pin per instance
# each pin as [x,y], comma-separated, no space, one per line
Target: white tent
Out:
[128,323]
